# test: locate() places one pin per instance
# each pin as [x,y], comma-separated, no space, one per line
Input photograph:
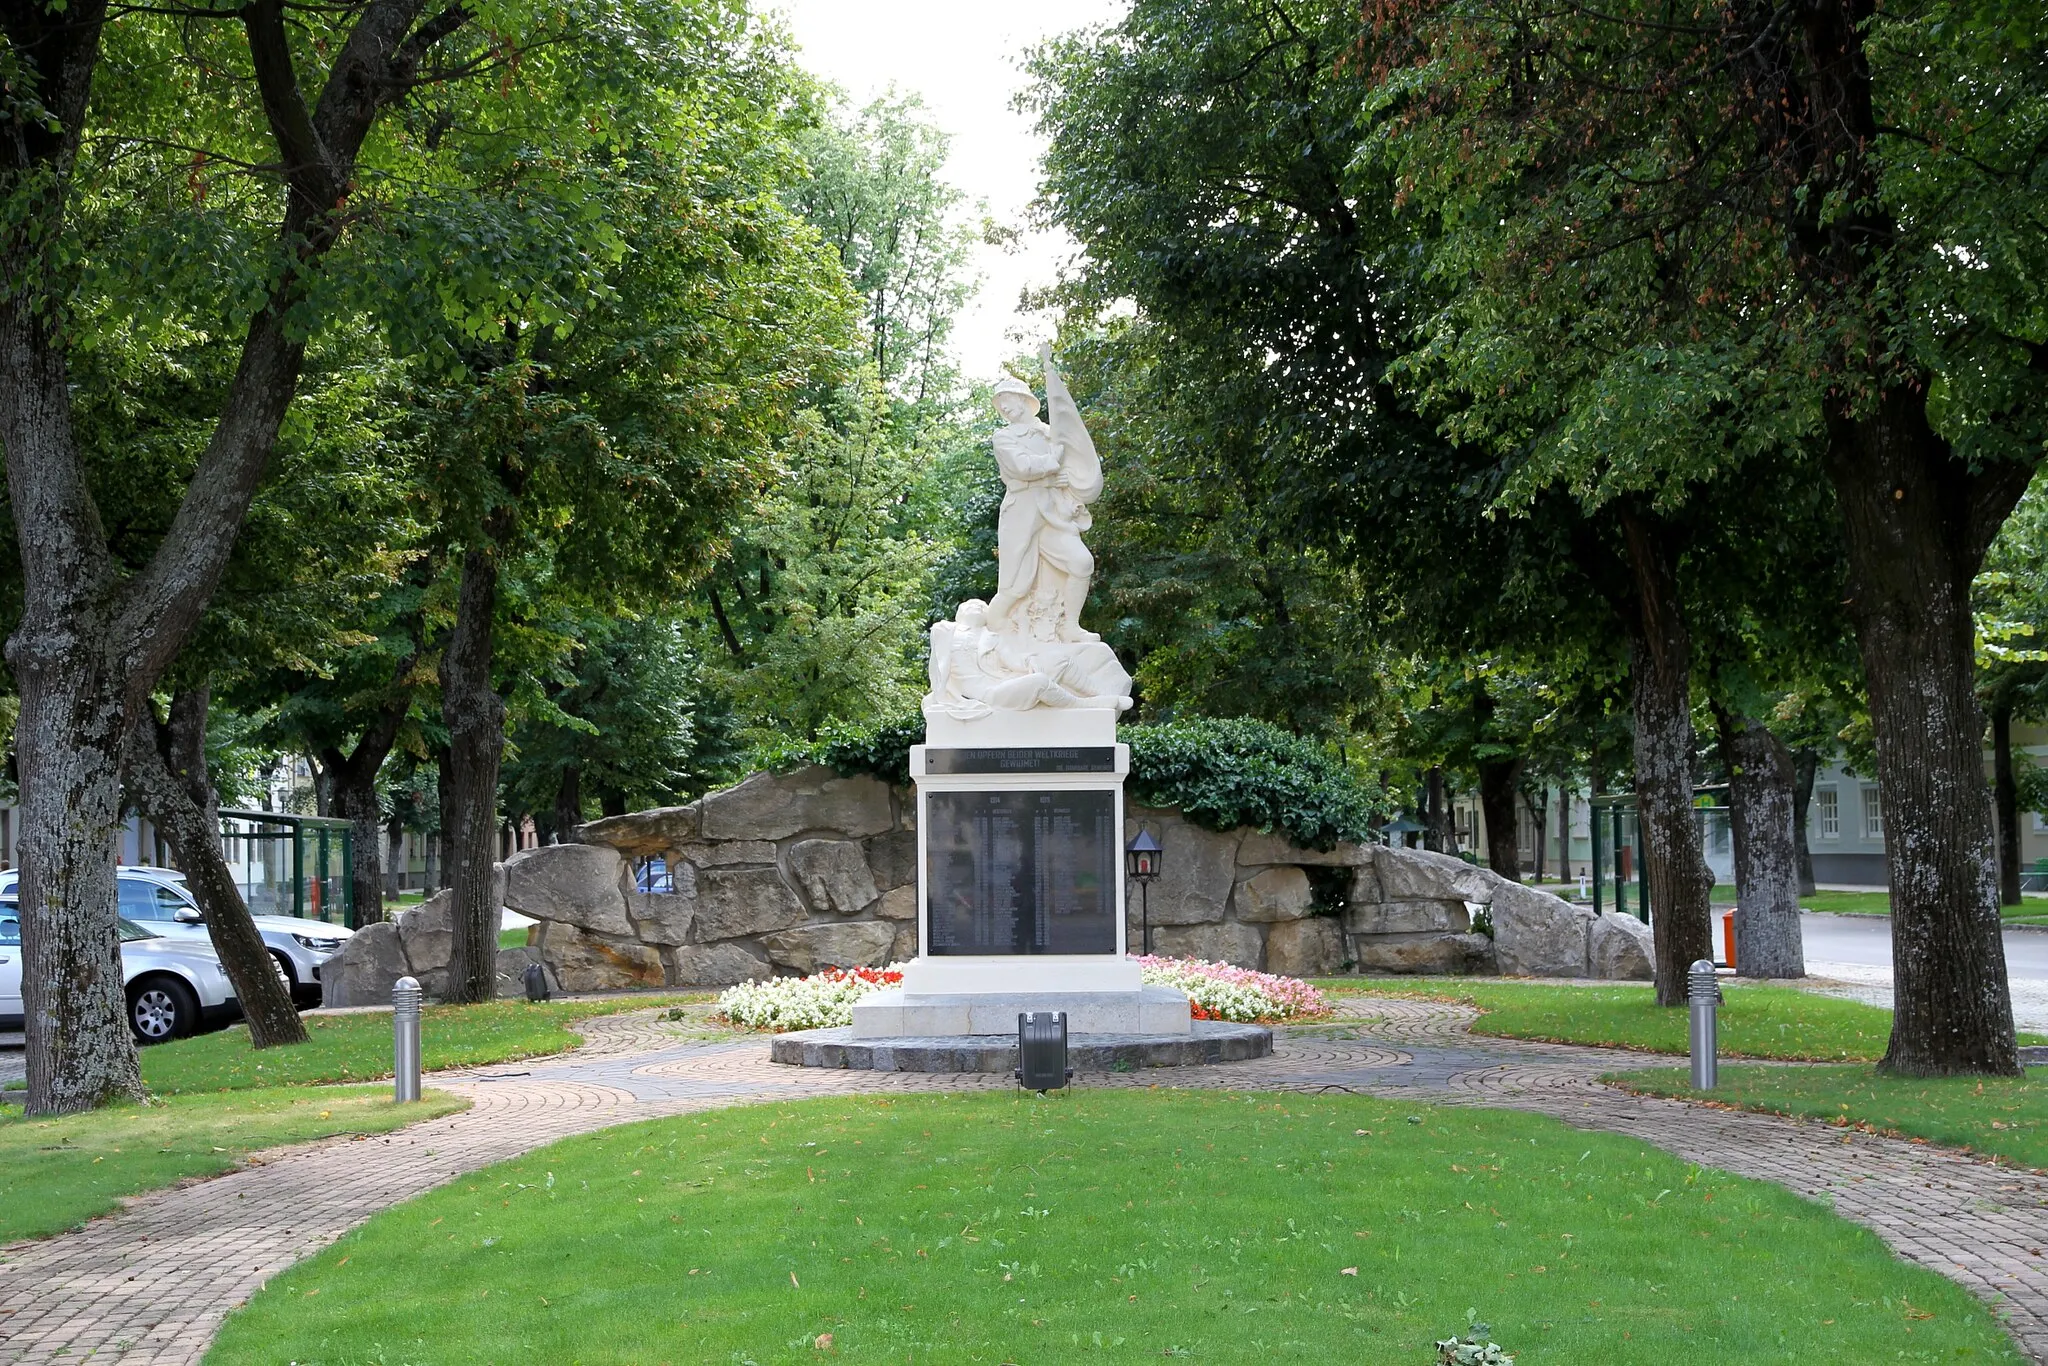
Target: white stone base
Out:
[1022,974]
[1050,727]
[898,1013]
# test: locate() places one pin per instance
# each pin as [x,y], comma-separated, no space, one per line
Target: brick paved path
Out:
[151,1284]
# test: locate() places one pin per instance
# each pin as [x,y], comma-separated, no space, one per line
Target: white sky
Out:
[962,58]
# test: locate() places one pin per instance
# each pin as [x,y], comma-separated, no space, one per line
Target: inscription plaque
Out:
[1021,872]
[1074,759]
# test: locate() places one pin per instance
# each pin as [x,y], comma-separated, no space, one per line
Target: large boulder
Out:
[1536,934]
[582,961]
[734,902]
[664,917]
[725,853]
[1618,948]
[893,857]
[1277,893]
[718,965]
[644,833]
[1305,948]
[1227,942]
[574,884]
[848,944]
[1434,954]
[1270,846]
[1408,917]
[512,965]
[774,806]
[833,876]
[1419,875]
[1198,869]
[426,933]
[365,970]
[898,903]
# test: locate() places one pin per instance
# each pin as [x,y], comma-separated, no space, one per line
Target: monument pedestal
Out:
[1021,886]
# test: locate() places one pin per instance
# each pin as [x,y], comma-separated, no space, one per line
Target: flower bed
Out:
[1219,991]
[820,1001]
[1216,991]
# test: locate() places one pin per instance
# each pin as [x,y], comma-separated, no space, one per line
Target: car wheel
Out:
[161,1009]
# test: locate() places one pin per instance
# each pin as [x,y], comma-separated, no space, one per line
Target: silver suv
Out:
[156,899]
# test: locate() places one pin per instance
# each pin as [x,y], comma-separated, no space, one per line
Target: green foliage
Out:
[1119,1225]
[1230,773]
[1219,773]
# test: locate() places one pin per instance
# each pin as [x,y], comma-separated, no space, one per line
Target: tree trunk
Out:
[394,857]
[1497,782]
[475,717]
[1805,764]
[1917,522]
[569,805]
[1541,827]
[1660,673]
[1436,814]
[1564,831]
[2006,795]
[80,1053]
[166,774]
[444,797]
[355,794]
[1767,938]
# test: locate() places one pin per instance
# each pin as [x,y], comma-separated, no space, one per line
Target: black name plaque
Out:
[1021,872]
[1019,759]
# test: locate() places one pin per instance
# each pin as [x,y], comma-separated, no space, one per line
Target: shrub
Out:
[1217,773]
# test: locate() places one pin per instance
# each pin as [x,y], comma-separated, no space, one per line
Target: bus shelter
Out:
[292,865]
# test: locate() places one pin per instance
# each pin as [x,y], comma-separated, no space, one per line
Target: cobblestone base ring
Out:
[1213,1041]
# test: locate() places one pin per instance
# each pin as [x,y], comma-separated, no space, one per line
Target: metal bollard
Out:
[1703,1001]
[405,1040]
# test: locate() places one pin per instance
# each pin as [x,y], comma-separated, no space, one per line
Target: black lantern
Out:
[1141,860]
[1400,829]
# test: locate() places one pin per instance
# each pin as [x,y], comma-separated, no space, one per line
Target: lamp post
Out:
[1141,859]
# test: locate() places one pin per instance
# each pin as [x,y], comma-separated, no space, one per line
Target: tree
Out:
[1684,239]
[2012,628]
[244,249]
[1278,290]
[659,315]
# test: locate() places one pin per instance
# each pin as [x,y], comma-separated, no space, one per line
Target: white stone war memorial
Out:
[1020,779]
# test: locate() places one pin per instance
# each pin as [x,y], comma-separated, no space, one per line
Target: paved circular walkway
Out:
[152,1283]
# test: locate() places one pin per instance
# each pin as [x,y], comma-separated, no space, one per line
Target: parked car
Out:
[157,898]
[173,984]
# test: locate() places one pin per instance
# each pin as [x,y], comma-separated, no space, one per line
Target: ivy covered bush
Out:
[1218,773]
[1227,773]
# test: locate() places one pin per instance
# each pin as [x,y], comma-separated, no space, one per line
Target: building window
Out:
[1873,815]
[1829,802]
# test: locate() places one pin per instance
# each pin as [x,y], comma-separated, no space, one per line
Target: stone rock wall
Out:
[788,873]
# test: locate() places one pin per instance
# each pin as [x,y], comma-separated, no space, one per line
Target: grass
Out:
[1103,1225]
[514,939]
[357,1047]
[2005,1117]
[1756,1021]
[57,1173]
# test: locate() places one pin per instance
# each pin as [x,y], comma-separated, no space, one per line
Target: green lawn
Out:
[514,939]
[357,1047]
[2005,1117]
[1104,1225]
[57,1173]
[1757,1021]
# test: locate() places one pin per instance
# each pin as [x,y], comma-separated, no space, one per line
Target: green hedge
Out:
[1219,773]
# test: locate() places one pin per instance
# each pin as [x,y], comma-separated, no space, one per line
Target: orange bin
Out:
[1728,936]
